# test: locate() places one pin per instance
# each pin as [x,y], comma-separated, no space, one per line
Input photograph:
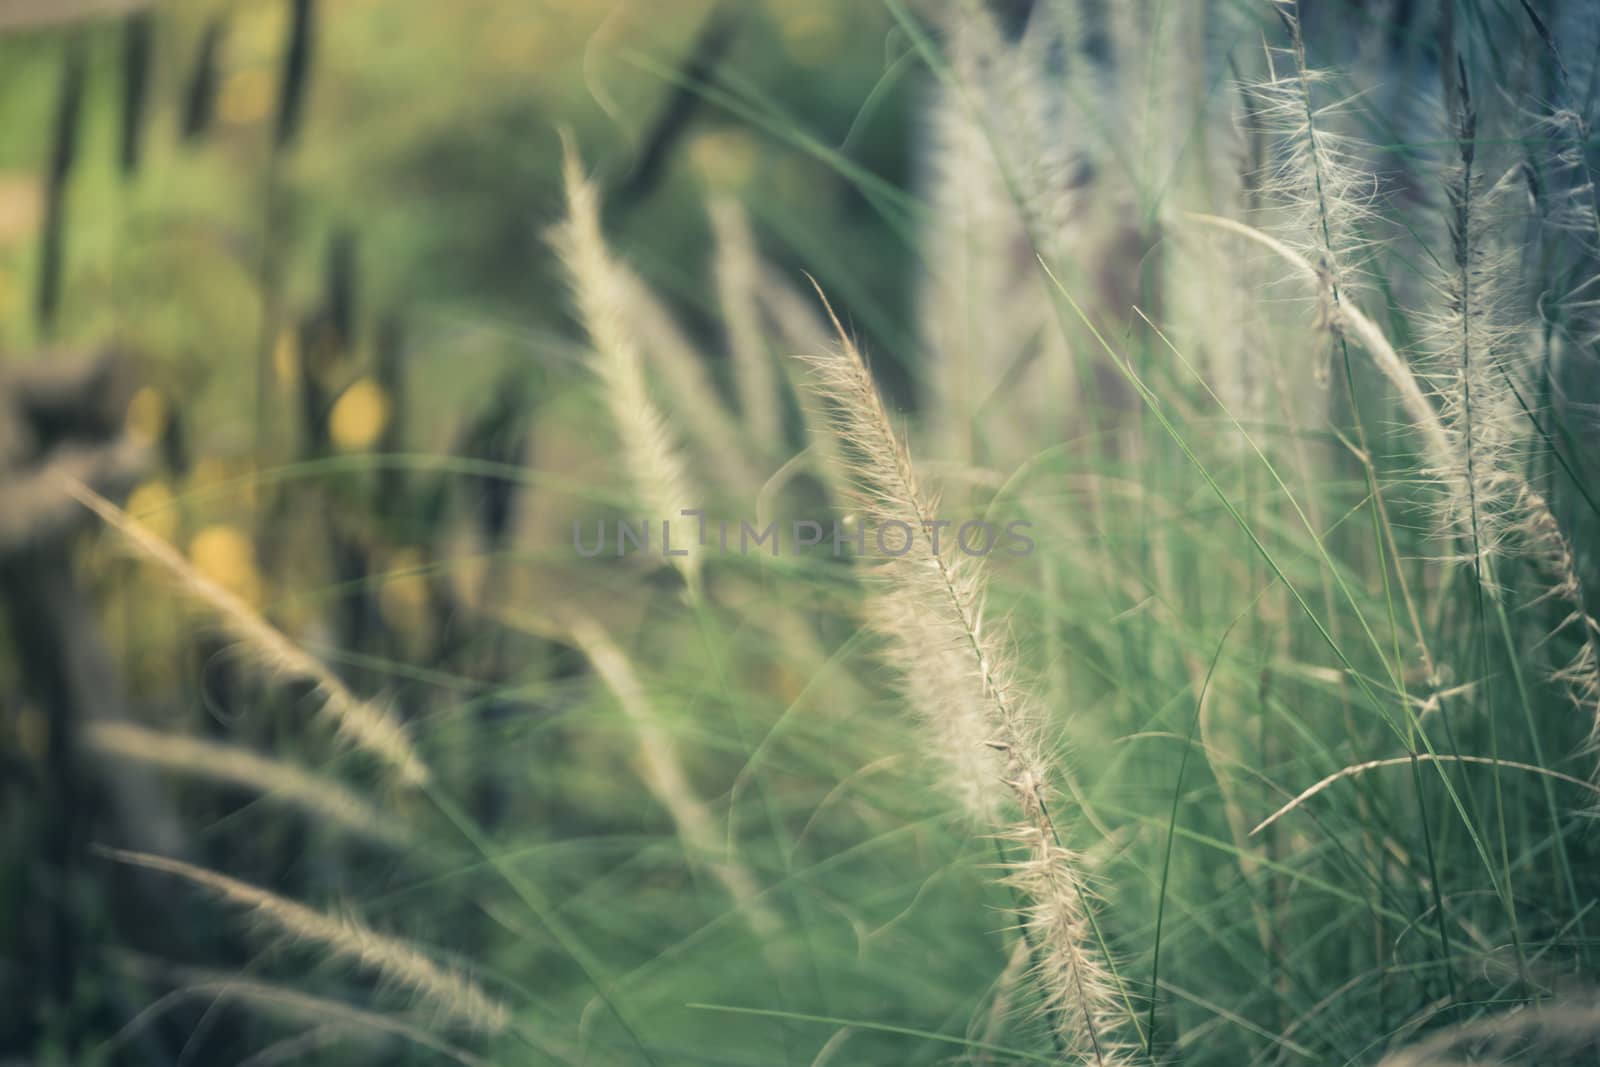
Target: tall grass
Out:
[1275,747]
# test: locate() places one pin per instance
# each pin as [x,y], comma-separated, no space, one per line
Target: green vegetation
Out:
[1261,338]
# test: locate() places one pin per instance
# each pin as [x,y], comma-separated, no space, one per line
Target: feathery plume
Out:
[1539,537]
[1561,1032]
[449,993]
[360,722]
[1438,446]
[665,777]
[1483,363]
[1318,178]
[933,619]
[679,366]
[648,450]
[230,764]
[1477,351]
[1002,166]
[955,731]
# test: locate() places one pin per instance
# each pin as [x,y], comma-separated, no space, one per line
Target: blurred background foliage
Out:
[299,249]
[375,217]
[315,230]
[427,134]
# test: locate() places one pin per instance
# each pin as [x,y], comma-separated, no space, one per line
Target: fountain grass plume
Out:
[361,722]
[931,617]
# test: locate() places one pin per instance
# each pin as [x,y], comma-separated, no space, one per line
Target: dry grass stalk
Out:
[649,452]
[666,780]
[933,622]
[681,369]
[361,722]
[1560,1032]
[230,764]
[450,994]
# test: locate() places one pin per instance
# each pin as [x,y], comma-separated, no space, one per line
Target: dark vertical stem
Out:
[292,93]
[138,49]
[667,129]
[296,71]
[200,92]
[63,154]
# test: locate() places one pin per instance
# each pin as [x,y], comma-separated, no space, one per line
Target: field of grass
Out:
[799,533]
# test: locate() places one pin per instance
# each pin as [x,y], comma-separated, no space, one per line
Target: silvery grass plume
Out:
[760,309]
[649,452]
[1212,306]
[1057,137]
[664,776]
[992,164]
[1562,172]
[1565,185]
[284,782]
[443,991]
[930,613]
[1482,365]
[1435,441]
[1085,105]
[1564,1031]
[1012,101]
[1321,187]
[681,368]
[362,723]
[1515,519]
[1476,361]
[956,731]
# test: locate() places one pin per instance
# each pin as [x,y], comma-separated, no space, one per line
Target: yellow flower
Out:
[226,556]
[359,416]
[154,505]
